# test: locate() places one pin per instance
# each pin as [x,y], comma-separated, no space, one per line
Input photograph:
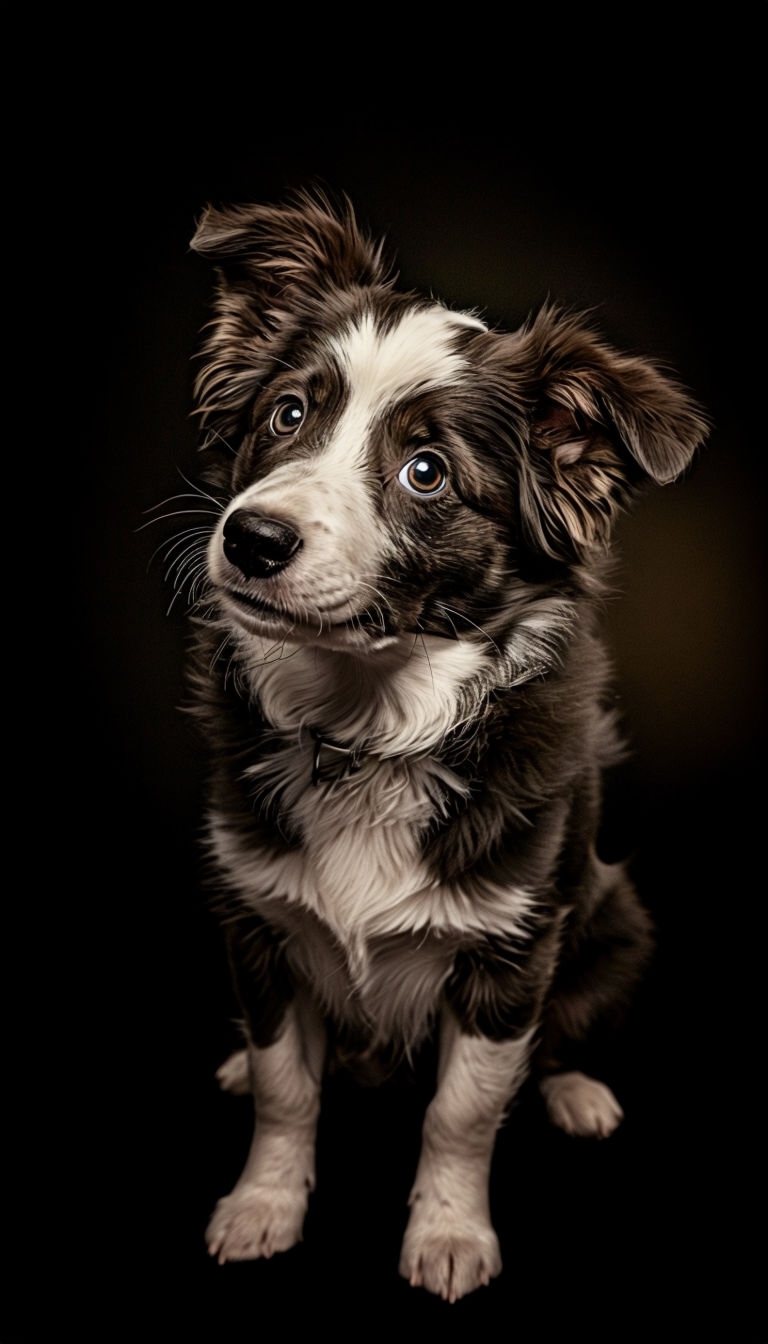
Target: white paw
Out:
[449,1260]
[580,1105]
[233,1075]
[255,1222]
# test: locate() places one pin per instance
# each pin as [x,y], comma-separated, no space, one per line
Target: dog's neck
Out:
[400,701]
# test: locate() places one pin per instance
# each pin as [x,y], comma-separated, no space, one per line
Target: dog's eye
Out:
[424,475]
[287,416]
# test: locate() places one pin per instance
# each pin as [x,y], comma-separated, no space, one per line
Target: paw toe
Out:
[581,1106]
[450,1265]
[254,1226]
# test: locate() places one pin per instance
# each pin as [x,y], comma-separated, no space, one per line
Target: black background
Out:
[611,170]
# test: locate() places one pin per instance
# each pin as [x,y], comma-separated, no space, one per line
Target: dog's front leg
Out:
[450,1247]
[265,1211]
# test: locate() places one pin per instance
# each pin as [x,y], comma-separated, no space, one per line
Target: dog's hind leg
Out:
[450,1247]
[604,954]
[234,1074]
[580,1105]
[265,1211]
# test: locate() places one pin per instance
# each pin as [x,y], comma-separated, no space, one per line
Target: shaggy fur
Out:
[399,673]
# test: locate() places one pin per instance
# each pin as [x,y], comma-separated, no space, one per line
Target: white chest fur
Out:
[360,867]
[400,701]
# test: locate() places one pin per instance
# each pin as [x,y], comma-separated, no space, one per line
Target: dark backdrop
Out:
[620,178]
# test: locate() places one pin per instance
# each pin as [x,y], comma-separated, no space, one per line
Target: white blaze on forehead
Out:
[383,367]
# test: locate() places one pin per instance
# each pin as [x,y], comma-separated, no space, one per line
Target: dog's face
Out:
[366,504]
[393,468]
[360,507]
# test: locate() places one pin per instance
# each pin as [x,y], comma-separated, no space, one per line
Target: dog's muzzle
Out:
[258,546]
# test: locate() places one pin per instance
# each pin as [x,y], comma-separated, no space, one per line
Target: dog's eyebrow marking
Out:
[383,367]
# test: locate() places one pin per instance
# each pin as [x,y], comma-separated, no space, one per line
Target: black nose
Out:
[258,546]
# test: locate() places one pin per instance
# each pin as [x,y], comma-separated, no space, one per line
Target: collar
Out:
[340,762]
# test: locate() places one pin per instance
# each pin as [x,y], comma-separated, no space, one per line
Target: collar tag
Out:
[349,765]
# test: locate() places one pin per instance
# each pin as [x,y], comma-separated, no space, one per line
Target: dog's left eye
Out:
[287,416]
[424,475]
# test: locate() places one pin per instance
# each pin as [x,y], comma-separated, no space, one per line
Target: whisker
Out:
[277,360]
[450,612]
[193,552]
[212,433]
[375,608]
[195,492]
[426,655]
[176,513]
[170,543]
[187,534]
[185,552]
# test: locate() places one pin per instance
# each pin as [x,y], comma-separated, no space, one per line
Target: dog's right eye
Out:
[424,475]
[287,416]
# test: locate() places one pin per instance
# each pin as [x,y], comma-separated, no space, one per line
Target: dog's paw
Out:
[255,1222]
[450,1261]
[233,1074]
[580,1105]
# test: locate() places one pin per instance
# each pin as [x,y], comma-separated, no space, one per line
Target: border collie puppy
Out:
[399,673]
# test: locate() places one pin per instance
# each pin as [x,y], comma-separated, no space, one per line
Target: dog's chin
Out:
[359,633]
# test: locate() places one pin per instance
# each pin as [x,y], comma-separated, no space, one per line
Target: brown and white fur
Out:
[400,675]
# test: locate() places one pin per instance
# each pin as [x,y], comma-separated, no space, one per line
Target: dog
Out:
[398,670]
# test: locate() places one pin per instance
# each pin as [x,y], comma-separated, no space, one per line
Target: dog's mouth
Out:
[335,623]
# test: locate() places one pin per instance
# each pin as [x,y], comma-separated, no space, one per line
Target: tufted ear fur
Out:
[603,424]
[310,245]
[277,267]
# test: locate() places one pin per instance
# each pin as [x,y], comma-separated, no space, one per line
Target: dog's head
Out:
[390,467]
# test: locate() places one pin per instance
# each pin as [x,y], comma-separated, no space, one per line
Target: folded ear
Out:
[295,252]
[603,424]
[277,267]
